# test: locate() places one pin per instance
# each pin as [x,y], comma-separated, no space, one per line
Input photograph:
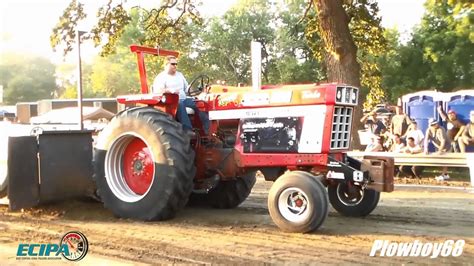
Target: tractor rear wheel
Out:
[298,202]
[144,165]
[226,194]
[351,200]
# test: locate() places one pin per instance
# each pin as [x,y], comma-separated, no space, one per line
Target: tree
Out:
[340,51]
[27,79]
[225,44]
[439,54]
[340,57]
[117,72]
[113,17]
[447,40]
[295,61]
[367,34]
[351,36]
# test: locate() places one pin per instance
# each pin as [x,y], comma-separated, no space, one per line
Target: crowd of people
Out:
[400,134]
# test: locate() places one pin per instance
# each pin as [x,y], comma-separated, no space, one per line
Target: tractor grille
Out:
[341,127]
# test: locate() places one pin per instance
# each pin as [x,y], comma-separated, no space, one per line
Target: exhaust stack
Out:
[256,55]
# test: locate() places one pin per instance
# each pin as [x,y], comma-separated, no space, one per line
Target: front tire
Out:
[298,202]
[357,202]
[144,165]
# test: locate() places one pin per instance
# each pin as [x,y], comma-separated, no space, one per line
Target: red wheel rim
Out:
[138,166]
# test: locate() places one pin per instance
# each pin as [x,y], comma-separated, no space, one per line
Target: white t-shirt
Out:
[417,135]
[413,150]
[171,83]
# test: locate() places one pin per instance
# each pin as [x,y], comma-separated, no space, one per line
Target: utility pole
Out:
[79,79]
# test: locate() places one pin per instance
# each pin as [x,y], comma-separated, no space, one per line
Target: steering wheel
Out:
[202,81]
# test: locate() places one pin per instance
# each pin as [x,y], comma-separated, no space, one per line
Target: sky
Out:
[25,25]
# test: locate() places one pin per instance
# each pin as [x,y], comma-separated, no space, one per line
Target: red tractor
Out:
[147,168]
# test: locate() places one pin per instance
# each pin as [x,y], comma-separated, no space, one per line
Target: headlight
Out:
[347,95]
[354,95]
[339,94]
[163,99]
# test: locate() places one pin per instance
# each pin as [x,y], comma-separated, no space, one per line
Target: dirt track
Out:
[247,234]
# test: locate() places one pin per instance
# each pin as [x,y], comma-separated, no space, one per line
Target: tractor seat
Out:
[189,111]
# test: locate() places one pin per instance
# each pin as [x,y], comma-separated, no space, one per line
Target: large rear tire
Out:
[356,203]
[144,165]
[298,202]
[226,194]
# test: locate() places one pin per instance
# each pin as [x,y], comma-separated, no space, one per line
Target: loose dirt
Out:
[246,235]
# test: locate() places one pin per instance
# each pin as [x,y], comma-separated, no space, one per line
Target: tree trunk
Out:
[340,51]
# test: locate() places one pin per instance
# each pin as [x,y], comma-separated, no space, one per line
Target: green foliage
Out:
[439,55]
[27,79]
[295,61]
[446,37]
[225,43]
[64,33]
[222,48]
[117,73]
[113,18]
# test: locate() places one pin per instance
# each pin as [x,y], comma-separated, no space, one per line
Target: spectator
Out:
[409,170]
[400,123]
[375,145]
[437,135]
[415,133]
[374,125]
[388,139]
[455,127]
[397,145]
[467,137]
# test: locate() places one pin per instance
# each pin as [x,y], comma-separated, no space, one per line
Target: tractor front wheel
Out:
[298,202]
[351,200]
[144,165]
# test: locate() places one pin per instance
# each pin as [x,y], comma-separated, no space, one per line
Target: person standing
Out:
[455,127]
[400,122]
[374,125]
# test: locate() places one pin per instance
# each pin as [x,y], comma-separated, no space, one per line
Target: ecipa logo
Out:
[73,247]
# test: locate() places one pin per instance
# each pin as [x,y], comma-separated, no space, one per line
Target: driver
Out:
[173,81]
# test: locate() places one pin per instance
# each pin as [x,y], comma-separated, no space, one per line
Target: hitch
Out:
[372,172]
